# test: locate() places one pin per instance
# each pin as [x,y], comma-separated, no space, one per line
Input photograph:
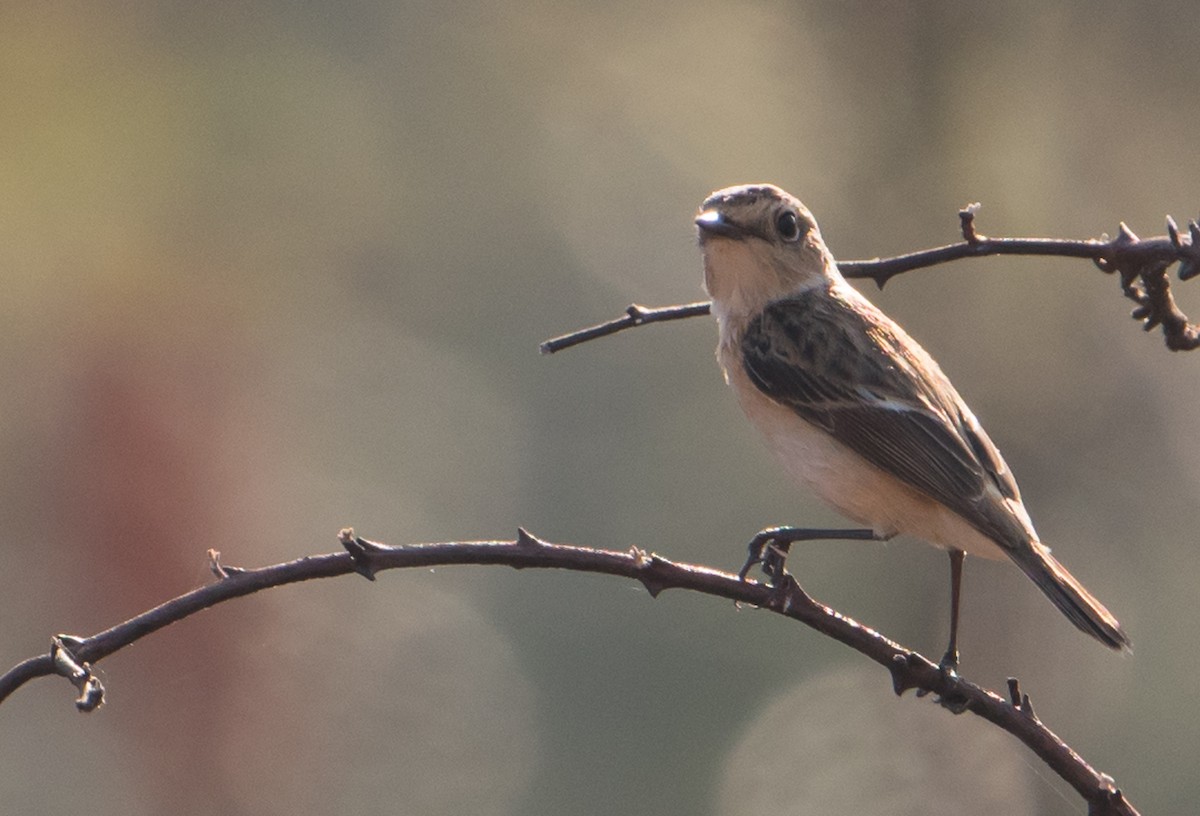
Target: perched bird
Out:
[855,409]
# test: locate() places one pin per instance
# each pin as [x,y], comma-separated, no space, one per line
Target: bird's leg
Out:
[770,547]
[949,662]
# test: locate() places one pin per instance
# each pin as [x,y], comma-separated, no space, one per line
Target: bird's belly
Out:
[855,487]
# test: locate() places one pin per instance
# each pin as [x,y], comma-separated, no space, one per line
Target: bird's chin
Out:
[736,278]
[708,237]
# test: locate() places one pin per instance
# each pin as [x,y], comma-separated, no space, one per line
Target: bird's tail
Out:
[1071,598]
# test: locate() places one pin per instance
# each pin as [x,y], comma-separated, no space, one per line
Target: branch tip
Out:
[635,315]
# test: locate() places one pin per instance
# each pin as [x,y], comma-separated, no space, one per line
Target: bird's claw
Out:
[770,552]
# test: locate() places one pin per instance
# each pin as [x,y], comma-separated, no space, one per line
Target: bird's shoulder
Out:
[834,335]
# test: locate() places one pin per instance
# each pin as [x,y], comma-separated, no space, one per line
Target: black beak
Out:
[714,222]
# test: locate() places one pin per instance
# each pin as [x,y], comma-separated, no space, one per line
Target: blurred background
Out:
[271,269]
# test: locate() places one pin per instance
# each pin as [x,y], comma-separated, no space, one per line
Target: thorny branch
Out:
[1141,266]
[72,656]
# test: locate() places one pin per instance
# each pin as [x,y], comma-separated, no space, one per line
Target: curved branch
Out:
[71,656]
[1141,264]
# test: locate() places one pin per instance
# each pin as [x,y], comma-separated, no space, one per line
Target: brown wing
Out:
[862,379]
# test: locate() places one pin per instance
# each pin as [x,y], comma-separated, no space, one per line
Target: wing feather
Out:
[842,365]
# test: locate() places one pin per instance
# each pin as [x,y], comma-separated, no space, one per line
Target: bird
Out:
[856,410]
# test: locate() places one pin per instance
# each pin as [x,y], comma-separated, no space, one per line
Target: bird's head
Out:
[759,244]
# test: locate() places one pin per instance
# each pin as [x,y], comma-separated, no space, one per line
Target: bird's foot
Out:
[770,546]
[949,662]
[951,700]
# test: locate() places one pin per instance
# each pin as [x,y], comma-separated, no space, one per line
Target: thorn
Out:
[899,683]
[65,663]
[218,569]
[70,640]
[1104,263]
[786,593]
[966,217]
[1128,281]
[360,551]
[1019,701]
[1146,312]
[652,585]
[901,669]
[526,540]
[646,563]
[1126,236]
[214,564]
[1173,231]
[1190,265]
[1014,692]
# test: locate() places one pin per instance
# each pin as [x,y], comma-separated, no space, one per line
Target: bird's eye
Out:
[788,225]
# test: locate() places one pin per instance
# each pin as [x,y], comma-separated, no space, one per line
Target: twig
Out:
[1141,264]
[909,670]
[635,315]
